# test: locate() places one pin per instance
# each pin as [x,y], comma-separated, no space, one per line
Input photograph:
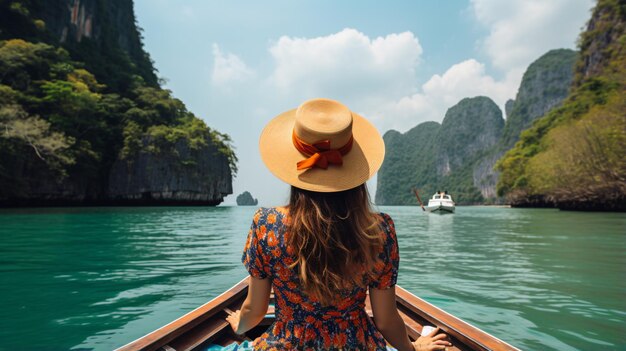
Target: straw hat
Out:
[322,146]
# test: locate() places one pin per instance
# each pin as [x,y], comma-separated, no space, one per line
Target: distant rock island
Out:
[246,199]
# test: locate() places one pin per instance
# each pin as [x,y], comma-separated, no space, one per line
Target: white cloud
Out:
[466,79]
[377,77]
[440,92]
[346,64]
[520,31]
[228,68]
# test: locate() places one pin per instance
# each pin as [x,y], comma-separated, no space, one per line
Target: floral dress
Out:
[301,321]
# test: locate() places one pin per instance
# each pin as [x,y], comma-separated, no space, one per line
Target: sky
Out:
[237,64]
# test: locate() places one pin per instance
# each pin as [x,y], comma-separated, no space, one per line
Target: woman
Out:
[324,250]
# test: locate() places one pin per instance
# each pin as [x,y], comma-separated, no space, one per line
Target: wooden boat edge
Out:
[186,322]
[451,325]
[472,337]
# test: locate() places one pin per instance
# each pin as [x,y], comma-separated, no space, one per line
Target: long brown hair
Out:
[334,238]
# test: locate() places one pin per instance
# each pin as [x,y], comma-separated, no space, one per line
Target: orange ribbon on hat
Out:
[320,154]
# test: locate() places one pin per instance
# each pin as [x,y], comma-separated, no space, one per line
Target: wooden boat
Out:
[207,325]
[441,203]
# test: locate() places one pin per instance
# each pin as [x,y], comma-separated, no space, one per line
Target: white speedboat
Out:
[441,202]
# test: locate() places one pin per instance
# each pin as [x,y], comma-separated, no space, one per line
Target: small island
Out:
[246,199]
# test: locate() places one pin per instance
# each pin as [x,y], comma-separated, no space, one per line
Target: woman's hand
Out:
[431,342]
[233,319]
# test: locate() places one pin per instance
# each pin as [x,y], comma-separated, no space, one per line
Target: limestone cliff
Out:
[601,44]
[183,175]
[434,157]
[473,137]
[102,34]
[469,130]
[408,157]
[573,156]
[544,85]
[469,127]
[84,119]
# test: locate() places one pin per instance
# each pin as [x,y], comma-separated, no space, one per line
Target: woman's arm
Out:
[254,307]
[391,325]
[387,319]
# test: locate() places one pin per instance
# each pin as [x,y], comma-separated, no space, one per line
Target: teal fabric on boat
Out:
[244,346]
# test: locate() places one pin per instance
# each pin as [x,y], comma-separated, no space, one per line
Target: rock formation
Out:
[433,156]
[77,84]
[460,154]
[544,85]
[246,199]
[153,178]
[573,156]
[408,158]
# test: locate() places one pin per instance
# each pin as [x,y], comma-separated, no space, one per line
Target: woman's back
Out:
[322,255]
[301,320]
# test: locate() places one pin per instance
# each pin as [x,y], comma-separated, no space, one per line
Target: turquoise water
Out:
[97,278]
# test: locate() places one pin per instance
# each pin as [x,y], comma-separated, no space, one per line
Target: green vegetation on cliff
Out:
[103,36]
[573,157]
[401,170]
[434,157]
[69,109]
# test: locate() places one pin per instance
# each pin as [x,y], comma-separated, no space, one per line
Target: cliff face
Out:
[573,156]
[408,158]
[434,157]
[473,137]
[78,95]
[31,188]
[103,35]
[147,178]
[469,127]
[599,44]
[545,84]
[485,177]
[70,20]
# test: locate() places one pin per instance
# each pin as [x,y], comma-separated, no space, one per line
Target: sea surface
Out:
[98,278]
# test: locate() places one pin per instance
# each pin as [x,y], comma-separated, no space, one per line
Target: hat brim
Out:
[359,164]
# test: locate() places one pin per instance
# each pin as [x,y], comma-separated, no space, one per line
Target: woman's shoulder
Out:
[270,215]
[387,225]
[384,219]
